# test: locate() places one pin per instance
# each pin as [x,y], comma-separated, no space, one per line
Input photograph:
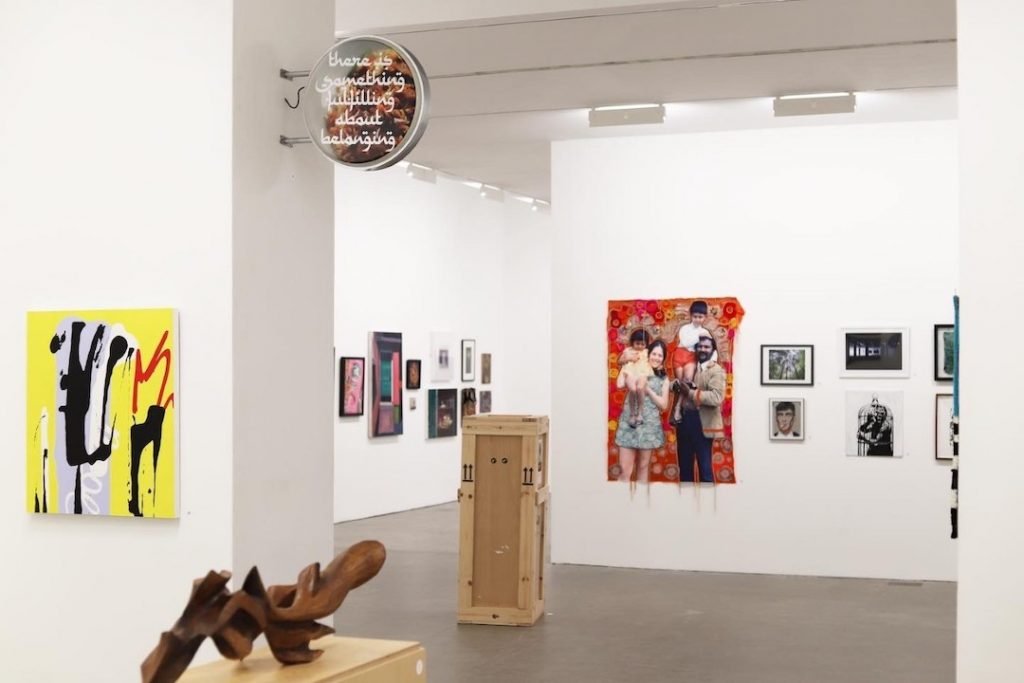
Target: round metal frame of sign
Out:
[368,103]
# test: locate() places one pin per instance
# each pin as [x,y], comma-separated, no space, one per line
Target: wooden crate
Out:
[345,660]
[503,504]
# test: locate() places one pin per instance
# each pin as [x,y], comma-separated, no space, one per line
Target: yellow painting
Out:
[101,424]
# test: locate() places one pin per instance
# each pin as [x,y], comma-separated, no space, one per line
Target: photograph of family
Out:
[670,385]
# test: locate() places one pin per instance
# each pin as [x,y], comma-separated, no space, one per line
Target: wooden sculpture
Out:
[286,614]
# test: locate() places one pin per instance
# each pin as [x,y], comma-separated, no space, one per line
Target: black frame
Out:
[810,365]
[409,362]
[341,387]
[936,434]
[936,355]
[469,376]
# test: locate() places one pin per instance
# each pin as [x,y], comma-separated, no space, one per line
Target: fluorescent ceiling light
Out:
[627,115]
[492,192]
[521,197]
[424,173]
[472,183]
[539,204]
[826,103]
[811,95]
[620,107]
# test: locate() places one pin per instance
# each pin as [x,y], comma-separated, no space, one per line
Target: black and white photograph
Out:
[944,426]
[440,357]
[468,360]
[874,423]
[787,364]
[875,352]
[944,353]
[786,419]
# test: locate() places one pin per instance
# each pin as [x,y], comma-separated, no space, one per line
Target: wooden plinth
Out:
[345,660]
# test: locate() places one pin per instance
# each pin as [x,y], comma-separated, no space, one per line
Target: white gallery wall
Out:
[990,602]
[813,229]
[415,257]
[120,192]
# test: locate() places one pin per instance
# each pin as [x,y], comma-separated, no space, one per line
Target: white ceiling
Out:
[502,89]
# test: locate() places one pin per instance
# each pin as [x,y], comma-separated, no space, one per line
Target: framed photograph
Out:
[442,357]
[785,419]
[874,423]
[468,403]
[412,403]
[944,426]
[352,374]
[385,383]
[442,413]
[412,374]
[787,364]
[943,353]
[875,352]
[485,368]
[468,360]
[485,402]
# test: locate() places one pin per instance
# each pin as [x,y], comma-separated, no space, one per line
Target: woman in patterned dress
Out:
[647,434]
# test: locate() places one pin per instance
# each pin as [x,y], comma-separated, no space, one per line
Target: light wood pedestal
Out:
[345,660]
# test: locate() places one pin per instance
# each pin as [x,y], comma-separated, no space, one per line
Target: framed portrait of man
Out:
[786,419]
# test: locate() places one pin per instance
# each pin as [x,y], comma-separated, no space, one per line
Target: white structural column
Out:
[990,610]
[283,298]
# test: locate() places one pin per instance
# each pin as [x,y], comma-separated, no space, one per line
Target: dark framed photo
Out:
[352,374]
[468,403]
[787,364]
[442,413]
[944,426]
[786,419]
[485,402]
[875,352]
[944,353]
[412,373]
[468,360]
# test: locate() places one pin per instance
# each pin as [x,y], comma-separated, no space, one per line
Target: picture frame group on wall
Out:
[874,352]
[786,419]
[468,356]
[943,353]
[787,364]
[352,384]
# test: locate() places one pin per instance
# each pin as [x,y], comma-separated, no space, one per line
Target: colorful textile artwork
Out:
[101,423]
[662,319]
[386,383]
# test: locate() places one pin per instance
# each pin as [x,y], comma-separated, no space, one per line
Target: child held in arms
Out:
[635,371]
[685,359]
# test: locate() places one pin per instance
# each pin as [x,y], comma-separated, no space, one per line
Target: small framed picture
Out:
[412,373]
[944,353]
[485,368]
[787,364]
[944,426]
[468,403]
[874,352]
[485,401]
[874,423]
[442,413]
[785,419]
[352,372]
[412,403]
[468,360]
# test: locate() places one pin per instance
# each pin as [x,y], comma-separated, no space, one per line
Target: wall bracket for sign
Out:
[366,105]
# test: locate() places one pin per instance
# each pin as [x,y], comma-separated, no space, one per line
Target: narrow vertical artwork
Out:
[663,320]
[385,383]
[954,509]
[101,424]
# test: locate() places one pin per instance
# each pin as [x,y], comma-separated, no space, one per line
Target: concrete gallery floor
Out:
[610,625]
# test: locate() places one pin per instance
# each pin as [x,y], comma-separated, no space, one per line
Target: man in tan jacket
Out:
[701,421]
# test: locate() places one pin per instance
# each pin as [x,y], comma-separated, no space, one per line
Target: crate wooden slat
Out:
[502,519]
